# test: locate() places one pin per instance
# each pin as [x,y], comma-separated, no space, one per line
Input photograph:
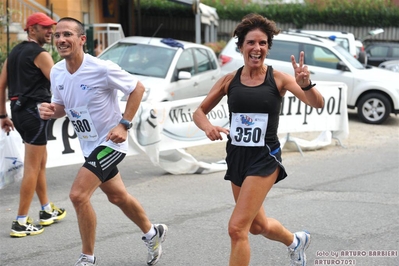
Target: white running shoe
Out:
[155,244]
[84,261]
[297,254]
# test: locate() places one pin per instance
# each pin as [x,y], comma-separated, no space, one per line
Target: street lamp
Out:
[372,33]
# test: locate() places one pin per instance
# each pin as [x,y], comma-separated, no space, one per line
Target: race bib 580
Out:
[82,123]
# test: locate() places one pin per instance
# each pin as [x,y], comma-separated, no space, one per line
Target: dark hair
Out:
[80,28]
[252,22]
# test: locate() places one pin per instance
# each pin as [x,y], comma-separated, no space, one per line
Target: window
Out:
[282,50]
[343,42]
[323,57]
[379,51]
[395,52]
[212,60]
[186,62]
[202,58]
[141,59]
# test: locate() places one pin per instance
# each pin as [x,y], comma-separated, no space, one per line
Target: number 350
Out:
[248,134]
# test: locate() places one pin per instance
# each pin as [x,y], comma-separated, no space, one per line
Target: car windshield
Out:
[141,59]
[353,61]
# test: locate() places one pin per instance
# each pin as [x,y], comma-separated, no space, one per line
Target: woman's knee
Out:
[237,232]
[256,229]
[259,226]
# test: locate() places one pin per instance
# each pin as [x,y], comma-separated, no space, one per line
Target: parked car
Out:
[345,39]
[392,65]
[169,69]
[379,52]
[374,92]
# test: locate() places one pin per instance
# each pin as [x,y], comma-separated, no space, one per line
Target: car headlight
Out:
[394,68]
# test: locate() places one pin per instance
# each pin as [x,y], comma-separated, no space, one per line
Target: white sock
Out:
[22,219]
[89,257]
[47,208]
[294,243]
[150,234]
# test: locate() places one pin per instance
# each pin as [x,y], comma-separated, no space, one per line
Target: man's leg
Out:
[153,236]
[32,179]
[41,188]
[82,189]
[116,192]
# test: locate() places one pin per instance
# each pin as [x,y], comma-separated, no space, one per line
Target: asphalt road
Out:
[346,197]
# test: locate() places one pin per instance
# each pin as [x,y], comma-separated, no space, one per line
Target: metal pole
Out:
[8,27]
[139,17]
[198,28]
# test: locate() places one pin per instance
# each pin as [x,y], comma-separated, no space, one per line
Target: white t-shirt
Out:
[92,88]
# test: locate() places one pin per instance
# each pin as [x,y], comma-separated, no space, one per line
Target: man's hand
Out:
[46,110]
[6,124]
[118,134]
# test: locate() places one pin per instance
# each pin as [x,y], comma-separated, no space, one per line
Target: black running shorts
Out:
[252,161]
[103,162]
[30,126]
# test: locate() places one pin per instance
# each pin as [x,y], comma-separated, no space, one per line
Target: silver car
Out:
[169,69]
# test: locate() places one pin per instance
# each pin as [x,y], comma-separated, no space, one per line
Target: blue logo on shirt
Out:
[85,87]
[75,114]
[246,120]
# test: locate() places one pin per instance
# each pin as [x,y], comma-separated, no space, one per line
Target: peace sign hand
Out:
[302,74]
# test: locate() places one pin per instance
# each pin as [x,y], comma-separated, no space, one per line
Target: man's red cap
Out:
[39,18]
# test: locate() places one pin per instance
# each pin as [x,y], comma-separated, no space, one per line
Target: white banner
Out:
[163,129]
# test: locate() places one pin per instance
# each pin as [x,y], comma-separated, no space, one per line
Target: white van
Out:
[343,38]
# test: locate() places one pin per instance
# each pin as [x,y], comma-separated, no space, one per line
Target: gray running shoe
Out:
[155,244]
[297,254]
[84,261]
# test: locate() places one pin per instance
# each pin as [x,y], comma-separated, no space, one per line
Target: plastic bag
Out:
[11,158]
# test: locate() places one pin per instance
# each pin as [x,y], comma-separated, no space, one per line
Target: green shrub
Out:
[376,13]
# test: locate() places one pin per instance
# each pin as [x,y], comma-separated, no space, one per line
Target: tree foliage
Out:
[376,13]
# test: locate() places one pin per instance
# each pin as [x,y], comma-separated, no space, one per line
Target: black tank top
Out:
[264,98]
[23,76]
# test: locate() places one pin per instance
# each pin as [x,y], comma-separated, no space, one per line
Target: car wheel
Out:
[373,108]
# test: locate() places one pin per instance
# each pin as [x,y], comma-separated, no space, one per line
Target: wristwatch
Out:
[126,123]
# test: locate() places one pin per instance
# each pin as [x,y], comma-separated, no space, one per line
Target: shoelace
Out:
[30,226]
[85,260]
[293,257]
[152,244]
[55,211]
[29,220]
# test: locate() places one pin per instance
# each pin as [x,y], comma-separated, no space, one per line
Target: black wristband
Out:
[309,86]
[3,116]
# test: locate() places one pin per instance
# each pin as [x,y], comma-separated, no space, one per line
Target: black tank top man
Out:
[24,77]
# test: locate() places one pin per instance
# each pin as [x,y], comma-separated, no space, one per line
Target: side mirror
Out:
[341,66]
[362,58]
[184,75]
